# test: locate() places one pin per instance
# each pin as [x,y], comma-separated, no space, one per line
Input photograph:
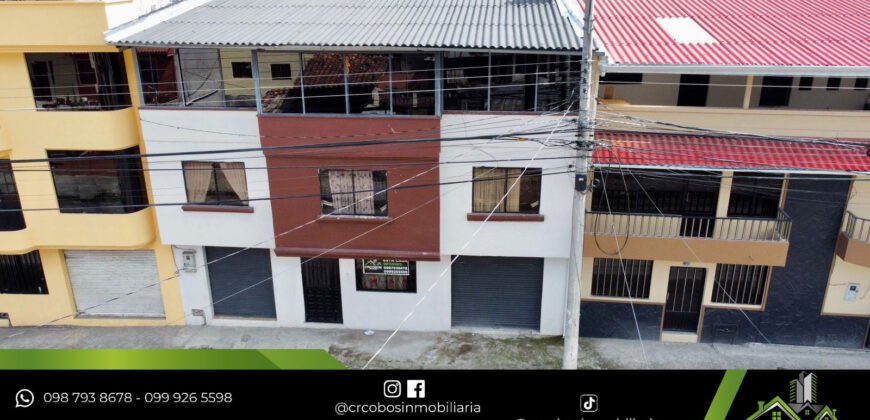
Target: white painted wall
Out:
[200,228]
[553,296]
[360,309]
[550,238]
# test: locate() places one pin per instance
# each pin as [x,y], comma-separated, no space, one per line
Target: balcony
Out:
[724,240]
[853,244]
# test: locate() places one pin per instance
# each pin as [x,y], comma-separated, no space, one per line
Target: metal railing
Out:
[677,226]
[857,228]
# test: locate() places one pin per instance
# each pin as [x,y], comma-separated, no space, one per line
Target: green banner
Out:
[166,359]
[725,395]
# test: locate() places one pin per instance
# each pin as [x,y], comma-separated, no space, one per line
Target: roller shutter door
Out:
[241,284]
[497,292]
[115,283]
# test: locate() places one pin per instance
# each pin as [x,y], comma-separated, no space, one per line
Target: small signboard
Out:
[387,267]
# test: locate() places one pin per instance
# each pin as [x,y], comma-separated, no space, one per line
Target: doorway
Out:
[321,290]
[685,294]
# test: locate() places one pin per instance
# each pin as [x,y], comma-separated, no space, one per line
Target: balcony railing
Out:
[857,228]
[677,226]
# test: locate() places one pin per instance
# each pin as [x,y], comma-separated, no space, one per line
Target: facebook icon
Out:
[416,388]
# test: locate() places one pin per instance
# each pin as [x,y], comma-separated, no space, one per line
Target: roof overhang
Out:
[350,48]
[727,70]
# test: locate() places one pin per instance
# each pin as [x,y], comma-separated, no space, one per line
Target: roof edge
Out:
[735,70]
[115,35]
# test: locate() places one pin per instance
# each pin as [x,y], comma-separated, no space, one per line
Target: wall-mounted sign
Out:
[387,267]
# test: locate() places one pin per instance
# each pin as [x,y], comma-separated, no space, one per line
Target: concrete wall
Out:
[181,227]
[845,273]
[360,309]
[548,238]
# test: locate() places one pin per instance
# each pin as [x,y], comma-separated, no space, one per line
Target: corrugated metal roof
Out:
[746,32]
[689,151]
[483,24]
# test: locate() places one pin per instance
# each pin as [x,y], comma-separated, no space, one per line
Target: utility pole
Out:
[585,138]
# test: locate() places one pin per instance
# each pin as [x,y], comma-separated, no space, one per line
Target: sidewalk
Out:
[447,350]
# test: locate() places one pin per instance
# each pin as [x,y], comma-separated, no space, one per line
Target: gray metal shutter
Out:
[241,285]
[497,292]
[115,283]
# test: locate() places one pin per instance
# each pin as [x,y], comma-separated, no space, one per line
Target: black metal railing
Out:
[678,226]
[857,228]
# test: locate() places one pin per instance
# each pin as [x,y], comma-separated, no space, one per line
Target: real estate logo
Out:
[802,403]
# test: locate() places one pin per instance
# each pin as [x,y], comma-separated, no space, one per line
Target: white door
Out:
[115,283]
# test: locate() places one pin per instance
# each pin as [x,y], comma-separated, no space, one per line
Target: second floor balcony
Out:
[721,240]
[853,243]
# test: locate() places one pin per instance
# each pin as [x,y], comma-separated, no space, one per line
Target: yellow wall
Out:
[27,134]
[844,273]
[61,26]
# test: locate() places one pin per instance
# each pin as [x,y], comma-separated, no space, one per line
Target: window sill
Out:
[218,209]
[355,219]
[509,217]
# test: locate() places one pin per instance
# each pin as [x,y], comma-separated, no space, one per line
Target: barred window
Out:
[621,278]
[740,284]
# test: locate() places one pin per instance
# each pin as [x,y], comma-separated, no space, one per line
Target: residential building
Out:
[78,245]
[719,217]
[364,126]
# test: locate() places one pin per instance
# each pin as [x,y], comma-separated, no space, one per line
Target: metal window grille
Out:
[621,278]
[740,284]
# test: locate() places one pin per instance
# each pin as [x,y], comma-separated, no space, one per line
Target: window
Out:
[806,83]
[740,284]
[755,195]
[861,84]
[368,83]
[22,274]
[413,77]
[834,83]
[491,184]
[99,185]
[621,79]
[386,275]
[693,90]
[357,193]
[78,81]
[649,191]
[776,415]
[157,73]
[466,81]
[280,71]
[775,91]
[621,278]
[86,73]
[242,70]
[323,78]
[9,202]
[216,183]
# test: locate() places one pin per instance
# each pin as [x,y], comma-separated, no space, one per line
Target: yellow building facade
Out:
[73,243]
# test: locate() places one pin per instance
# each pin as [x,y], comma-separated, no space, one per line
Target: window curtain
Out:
[198,178]
[364,183]
[488,189]
[234,172]
[512,201]
[341,188]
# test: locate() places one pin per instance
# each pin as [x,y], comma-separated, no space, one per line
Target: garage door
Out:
[241,284]
[497,292]
[115,283]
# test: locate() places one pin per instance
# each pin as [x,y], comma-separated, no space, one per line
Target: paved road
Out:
[446,350]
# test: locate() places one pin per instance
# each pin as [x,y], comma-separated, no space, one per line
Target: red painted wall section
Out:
[410,231]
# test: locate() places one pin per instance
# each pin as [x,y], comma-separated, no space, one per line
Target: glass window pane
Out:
[466,77]
[558,78]
[157,73]
[324,83]
[513,82]
[78,81]
[99,185]
[368,81]
[9,202]
[414,84]
[238,79]
[201,74]
[530,191]
[280,81]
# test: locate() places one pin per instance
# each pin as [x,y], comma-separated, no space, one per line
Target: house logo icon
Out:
[802,403]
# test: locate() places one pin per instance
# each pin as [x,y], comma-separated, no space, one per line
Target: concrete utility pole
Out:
[585,137]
